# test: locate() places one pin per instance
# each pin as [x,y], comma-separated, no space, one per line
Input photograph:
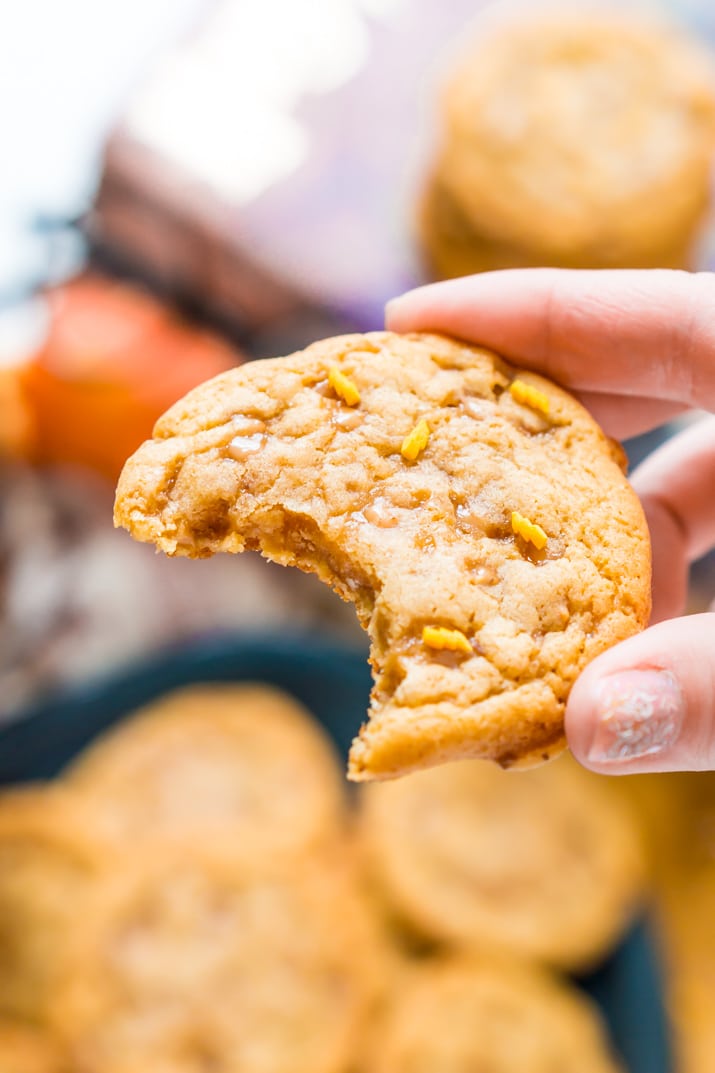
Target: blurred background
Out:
[191,184]
[187,185]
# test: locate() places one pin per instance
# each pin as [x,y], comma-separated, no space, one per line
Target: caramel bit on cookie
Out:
[529,396]
[441,637]
[381,513]
[415,441]
[241,447]
[529,531]
[343,386]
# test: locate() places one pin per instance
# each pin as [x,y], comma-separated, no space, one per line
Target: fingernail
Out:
[640,713]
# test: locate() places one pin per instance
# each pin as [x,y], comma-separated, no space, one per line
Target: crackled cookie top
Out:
[580,131]
[238,763]
[47,859]
[546,864]
[475,514]
[194,961]
[465,1015]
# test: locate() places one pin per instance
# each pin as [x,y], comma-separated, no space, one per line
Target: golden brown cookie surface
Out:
[545,863]
[196,961]
[583,135]
[453,247]
[48,860]
[238,764]
[684,906]
[465,1014]
[425,480]
[26,1050]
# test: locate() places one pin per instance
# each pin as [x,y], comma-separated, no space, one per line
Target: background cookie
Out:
[242,765]
[26,1050]
[474,514]
[48,862]
[475,1014]
[451,245]
[574,138]
[199,961]
[545,863]
[679,814]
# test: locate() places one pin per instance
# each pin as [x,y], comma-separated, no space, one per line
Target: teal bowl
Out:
[334,683]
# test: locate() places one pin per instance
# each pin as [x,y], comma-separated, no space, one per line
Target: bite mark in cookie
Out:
[308,467]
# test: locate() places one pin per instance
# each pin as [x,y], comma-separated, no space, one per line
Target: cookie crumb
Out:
[343,386]
[441,637]
[415,441]
[529,396]
[530,531]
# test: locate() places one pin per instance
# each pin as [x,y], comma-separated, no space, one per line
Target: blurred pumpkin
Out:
[113,359]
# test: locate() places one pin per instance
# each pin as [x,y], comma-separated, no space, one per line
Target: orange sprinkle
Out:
[529,396]
[343,386]
[441,637]
[415,441]
[528,530]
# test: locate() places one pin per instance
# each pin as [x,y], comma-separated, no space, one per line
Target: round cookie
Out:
[546,863]
[244,765]
[464,1015]
[475,514]
[194,961]
[452,247]
[48,862]
[583,138]
[26,1050]
[684,902]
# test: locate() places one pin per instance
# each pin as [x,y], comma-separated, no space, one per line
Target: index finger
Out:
[649,333]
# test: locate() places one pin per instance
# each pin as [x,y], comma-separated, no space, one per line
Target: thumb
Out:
[648,704]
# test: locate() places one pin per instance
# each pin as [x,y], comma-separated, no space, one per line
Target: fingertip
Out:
[406,312]
[392,313]
[626,722]
[582,714]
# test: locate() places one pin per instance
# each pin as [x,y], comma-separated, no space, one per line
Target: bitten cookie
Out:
[575,138]
[547,863]
[476,516]
[47,860]
[241,765]
[479,1014]
[193,961]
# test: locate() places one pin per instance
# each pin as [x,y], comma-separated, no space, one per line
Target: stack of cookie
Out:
[195,894]
[575,139]
[677,815]
[185,899]
[498,883]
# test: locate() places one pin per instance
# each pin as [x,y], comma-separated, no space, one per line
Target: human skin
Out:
[638,348]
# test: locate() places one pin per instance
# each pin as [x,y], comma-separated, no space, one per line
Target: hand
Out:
[637,347]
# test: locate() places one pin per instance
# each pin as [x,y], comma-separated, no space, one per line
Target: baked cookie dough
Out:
[452,247]
[236,764]
[48,860]
[684,914]
[546,863]
[470,1014]
[578,138]
[194,961]
[475,514]
[27,1050]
